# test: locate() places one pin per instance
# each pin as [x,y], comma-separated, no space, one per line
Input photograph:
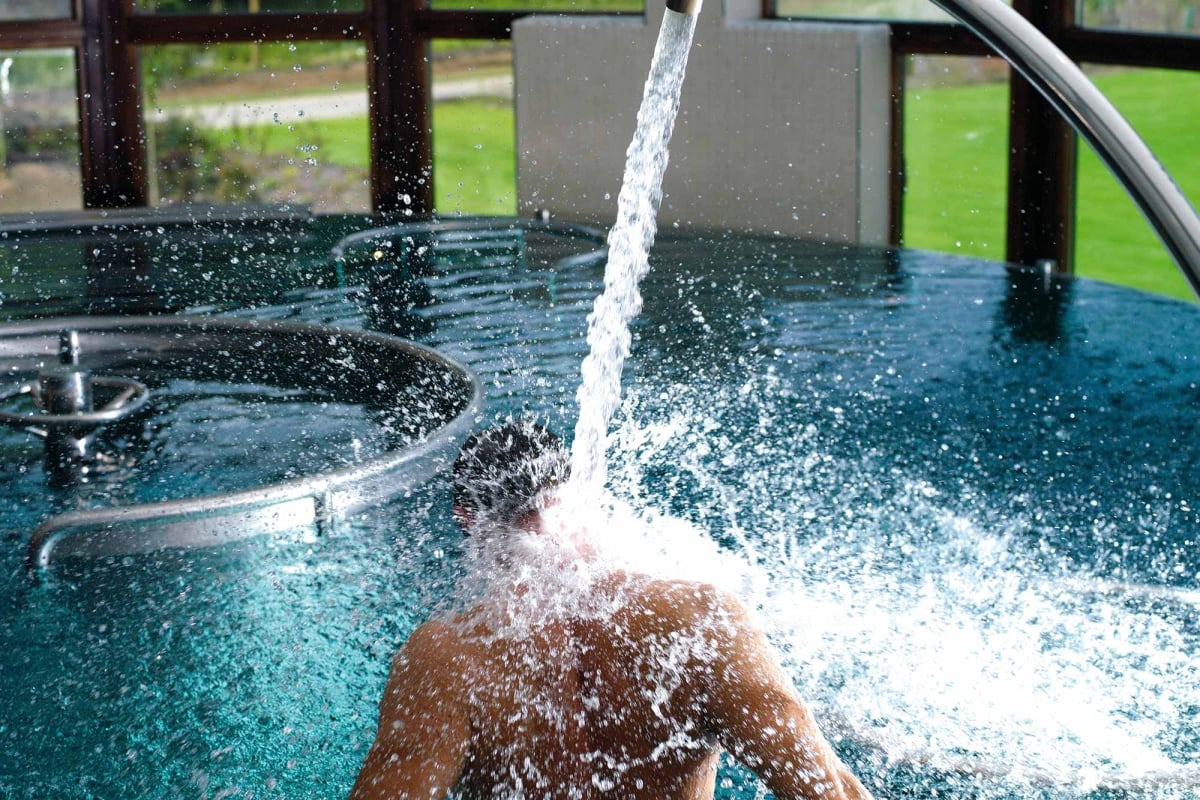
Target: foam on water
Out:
[629,244]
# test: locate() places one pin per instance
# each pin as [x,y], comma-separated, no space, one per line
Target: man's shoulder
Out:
[435,641]
[683,602]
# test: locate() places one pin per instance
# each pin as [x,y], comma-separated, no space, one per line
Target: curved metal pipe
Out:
[1061,81]
[684,6]
[226,517]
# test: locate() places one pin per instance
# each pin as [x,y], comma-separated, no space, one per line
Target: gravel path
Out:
[287,110]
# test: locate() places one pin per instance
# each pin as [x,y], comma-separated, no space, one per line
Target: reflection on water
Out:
[1034,306]
[947,490]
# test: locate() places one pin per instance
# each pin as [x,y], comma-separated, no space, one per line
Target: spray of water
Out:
[629,244]
[933,631]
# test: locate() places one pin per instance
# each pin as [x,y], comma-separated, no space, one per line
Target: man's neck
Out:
[525,579]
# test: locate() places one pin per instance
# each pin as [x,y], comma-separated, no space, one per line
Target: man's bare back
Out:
[633,703]
[614,686]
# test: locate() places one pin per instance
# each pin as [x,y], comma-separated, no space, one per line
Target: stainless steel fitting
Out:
[684,6]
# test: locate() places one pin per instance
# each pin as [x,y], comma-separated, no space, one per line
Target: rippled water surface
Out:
[966,506]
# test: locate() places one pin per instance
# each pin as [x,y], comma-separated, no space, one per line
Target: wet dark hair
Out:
[501,472]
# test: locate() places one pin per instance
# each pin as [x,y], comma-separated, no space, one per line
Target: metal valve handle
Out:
[131,397]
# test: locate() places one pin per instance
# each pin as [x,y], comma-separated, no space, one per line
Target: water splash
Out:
[629,244]
[517,581]
[929,630]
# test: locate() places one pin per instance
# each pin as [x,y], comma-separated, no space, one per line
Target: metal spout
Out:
[66,416]
[68,348]
[685,6]
[66,392]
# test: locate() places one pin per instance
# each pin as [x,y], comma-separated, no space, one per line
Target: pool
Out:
[964,496]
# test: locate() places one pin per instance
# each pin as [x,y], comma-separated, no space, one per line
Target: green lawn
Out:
[955,154]
[956,139]
[474,157]
[474,163]
[333,141]
[1114,242]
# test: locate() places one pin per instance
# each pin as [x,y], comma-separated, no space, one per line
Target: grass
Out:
[334,141]
[955,154]
[956,138]
[1114,242]
[474,157]
[474,160]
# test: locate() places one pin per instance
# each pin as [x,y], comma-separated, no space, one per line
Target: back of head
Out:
[503,472]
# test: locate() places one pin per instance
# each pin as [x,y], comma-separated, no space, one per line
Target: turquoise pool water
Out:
[966,504]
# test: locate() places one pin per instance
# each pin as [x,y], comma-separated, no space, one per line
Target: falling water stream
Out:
[629,244]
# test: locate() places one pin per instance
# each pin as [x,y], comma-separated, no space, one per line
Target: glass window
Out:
[956,155]
[474,138]
[1113,241]
[896,10]
[245,6]
[35,9]
[273,123]
[1160,16]
[39,132]
[539,5]
[921,10]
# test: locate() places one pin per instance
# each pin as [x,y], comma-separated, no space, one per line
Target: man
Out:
[566,680]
